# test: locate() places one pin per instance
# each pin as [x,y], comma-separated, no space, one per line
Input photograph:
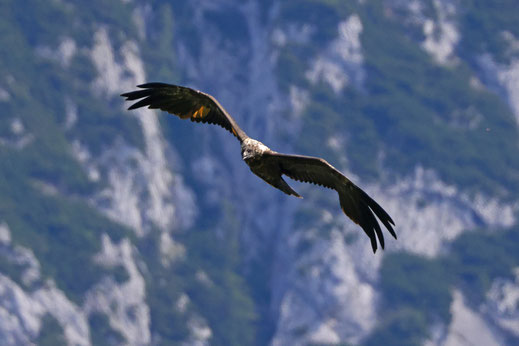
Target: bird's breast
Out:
[253,161]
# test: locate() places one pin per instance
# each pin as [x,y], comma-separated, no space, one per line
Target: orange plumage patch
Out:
[201,112]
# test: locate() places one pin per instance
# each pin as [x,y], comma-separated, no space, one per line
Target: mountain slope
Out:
[124,227]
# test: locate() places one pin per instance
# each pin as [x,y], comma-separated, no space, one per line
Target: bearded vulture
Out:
[267,164]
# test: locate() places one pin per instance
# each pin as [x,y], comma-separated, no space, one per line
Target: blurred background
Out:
[136,228]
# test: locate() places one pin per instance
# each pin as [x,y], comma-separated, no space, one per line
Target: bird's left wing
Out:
[355,203]
[184,102]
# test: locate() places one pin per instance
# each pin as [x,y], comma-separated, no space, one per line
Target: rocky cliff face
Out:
[184,245]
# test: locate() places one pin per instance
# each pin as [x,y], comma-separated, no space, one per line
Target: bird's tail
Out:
[283,186]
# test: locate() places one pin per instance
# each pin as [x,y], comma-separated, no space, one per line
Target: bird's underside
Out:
[269,165]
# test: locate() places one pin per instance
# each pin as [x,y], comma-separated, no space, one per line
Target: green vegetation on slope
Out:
[408,104]
[417,292]
[223,300]
[410,110]
[51,332]
[482,26]
[101,333]
[63,231]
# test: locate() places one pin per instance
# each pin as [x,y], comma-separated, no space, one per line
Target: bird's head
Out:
[252,149]
[247,153]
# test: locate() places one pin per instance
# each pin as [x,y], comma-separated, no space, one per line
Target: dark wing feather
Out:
[185,103]
[355,203]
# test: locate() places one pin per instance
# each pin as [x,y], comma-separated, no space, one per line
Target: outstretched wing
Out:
[355,203]
[185,103]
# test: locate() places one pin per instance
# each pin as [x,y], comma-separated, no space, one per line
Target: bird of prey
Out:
[267,164]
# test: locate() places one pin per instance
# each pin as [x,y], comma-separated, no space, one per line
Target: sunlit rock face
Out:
[336,272]
[153,176]
[441,36]
[342,64]
[437,21]
[18,137]
[468,327]
[25,304]
[123,303]
[502,304]
[325,280]
[436,213]
[504,76]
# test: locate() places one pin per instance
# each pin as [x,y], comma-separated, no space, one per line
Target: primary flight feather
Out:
[269,165]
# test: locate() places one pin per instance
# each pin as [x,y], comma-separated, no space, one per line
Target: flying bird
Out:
[267,164]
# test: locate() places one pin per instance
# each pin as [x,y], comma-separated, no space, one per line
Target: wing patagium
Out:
[355,203]
[186,103]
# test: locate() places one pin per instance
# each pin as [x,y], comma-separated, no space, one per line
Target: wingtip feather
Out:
[153,85]
[373,243]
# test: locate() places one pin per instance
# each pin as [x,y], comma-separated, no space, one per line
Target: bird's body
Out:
[267,164]
[256,155]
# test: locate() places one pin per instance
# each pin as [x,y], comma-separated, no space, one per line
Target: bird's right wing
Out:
[355,203]
[186,103]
